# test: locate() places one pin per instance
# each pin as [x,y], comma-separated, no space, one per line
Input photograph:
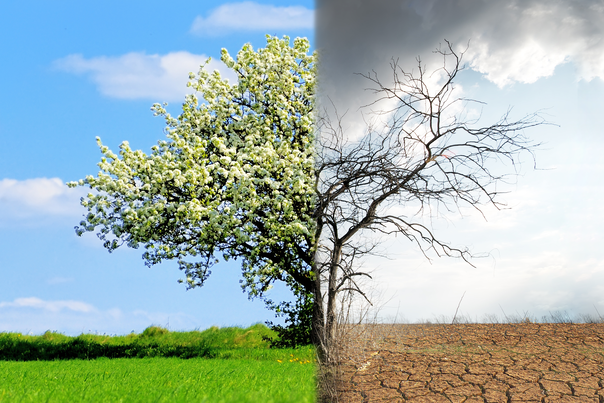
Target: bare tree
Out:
[425,156]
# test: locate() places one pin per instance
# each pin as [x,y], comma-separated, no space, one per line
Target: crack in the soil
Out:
[489,358]
[572,389]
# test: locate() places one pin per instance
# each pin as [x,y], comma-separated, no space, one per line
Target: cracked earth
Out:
[527,362]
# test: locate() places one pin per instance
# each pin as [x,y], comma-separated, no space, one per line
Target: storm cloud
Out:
[508,42]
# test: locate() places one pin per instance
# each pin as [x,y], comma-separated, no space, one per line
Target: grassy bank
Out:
[230,342]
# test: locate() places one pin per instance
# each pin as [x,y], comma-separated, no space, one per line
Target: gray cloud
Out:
[511,41]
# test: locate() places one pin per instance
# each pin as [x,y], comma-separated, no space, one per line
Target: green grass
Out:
[223,365]
[157,380]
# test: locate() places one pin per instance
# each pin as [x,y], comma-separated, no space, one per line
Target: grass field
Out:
[156,380]
[235,365]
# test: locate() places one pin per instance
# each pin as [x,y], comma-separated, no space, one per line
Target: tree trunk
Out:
[318,321]
[325,321]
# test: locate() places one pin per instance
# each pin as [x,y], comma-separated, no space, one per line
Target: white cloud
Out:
[522,42]
[52,306]
[136,75]
[250,16]
[38,197]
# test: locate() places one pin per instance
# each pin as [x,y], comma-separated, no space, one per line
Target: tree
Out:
[421,157]
[235,177]
[253,174]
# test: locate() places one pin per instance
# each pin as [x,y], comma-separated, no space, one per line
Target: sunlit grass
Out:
[157,380]
[223,365]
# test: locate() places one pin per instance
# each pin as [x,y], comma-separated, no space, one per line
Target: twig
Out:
[454,316]
[506,317]
[601,319]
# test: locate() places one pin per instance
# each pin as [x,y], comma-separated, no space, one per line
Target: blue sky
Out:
[74,71]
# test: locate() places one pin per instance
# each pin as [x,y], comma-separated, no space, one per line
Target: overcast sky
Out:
[80,70]
[531,56]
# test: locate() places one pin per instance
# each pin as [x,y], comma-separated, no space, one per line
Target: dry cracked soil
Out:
[524,362]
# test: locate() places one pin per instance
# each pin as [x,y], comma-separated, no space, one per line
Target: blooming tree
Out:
[234,178]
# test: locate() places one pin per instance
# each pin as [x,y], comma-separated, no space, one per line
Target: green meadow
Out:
[216,365]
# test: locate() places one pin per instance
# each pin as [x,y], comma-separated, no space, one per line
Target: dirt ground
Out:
[526,362]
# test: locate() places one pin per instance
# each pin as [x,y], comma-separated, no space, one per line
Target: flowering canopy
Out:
[235,177]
